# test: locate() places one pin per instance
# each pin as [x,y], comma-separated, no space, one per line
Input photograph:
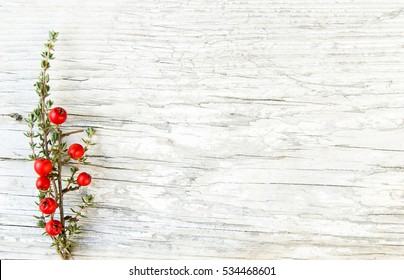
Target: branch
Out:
[72,132]
[60,186]
[44,89]
[90,132]
[69,189]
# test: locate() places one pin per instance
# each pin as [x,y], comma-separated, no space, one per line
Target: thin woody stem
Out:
[60,248]
[72,132]
[79,213]
[45,131]
[76,168]
[59,178]
[43,110]
[70,189]
[31,141]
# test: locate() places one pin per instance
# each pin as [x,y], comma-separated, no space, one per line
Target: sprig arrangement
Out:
[51,156]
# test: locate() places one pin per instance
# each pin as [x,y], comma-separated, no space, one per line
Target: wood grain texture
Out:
[226,129]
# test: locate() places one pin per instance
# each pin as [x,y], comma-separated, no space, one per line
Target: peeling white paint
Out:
[250,129]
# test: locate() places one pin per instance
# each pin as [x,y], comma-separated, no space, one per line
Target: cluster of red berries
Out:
[43,167]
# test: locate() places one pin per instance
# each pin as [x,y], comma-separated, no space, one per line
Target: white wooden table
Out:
[226,129]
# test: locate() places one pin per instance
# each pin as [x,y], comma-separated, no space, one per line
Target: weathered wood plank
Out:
[226,129]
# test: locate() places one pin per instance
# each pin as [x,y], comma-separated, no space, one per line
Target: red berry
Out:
[53,227]
[48,205]
[42,183]
[84,179]
[76,151]
[58,115]
[43,166]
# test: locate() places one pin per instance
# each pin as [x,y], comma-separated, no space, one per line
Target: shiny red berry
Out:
[53,227]
[84,179]
[76,151]
[48,205]
[42,183]
[58,115]
[43,166]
